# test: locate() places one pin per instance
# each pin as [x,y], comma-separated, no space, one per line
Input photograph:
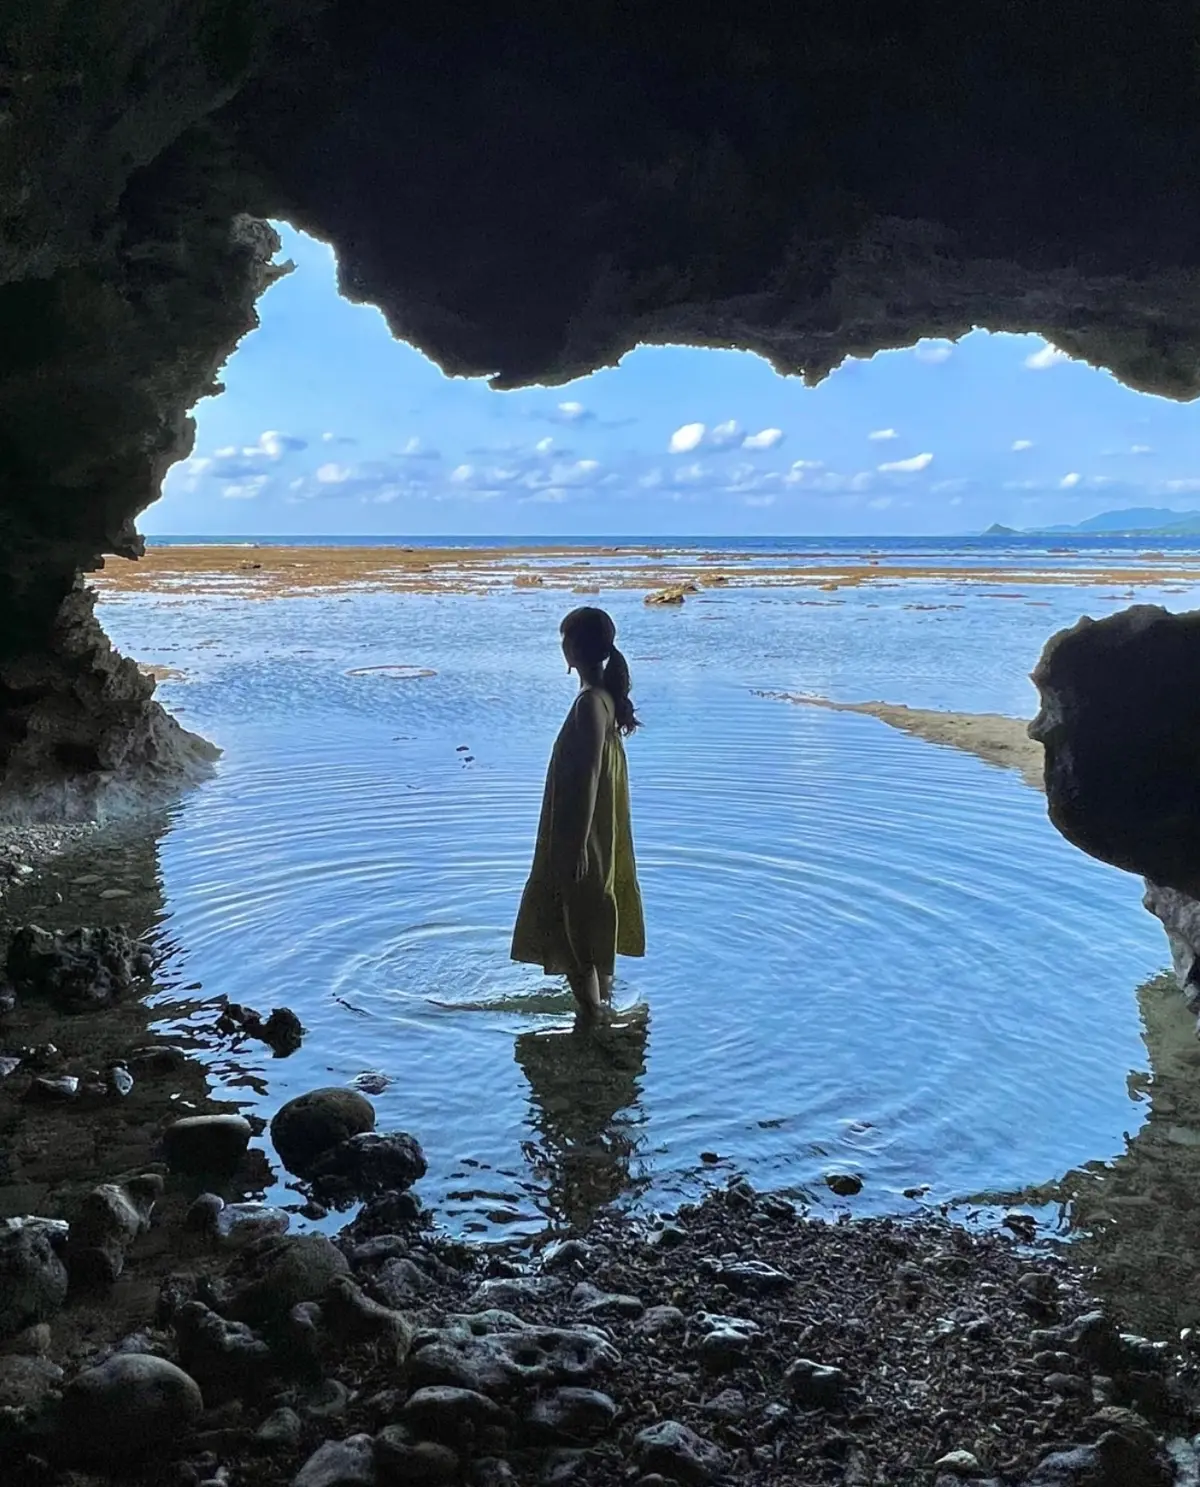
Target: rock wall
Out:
[527,192]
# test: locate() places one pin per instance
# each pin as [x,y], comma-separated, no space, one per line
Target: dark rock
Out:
[728,1405]
[1113,1461]
[327,1400]
[589,1301]
[511,1293]
[492,1471]
[657,1320]
[390,1214]
[280,1431]
[724,1349]
[227,1359]
[119,1081]
[401,1283]
[370,1163]
[355,1318]
[505,1362]
[201,1145]
[569,1254]
[348,1463]
[282,1031]
[843,1184]
[80,968]
[669,1237]
[452,1415]
[53,1089]
[238,1225]
[572,1415]
[754,1277]
[275,1275]
[1119,710]
[411,1463]
[33,1279]
[26,1383]
[815,1385]
[110,1218]
[134,1405]
[679,1454]
[311,1125]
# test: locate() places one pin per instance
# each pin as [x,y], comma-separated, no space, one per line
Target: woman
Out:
[582,906]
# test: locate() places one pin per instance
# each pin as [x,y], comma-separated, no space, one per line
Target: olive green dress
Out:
[565,926]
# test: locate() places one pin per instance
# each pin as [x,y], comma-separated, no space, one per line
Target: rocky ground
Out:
[155,1327]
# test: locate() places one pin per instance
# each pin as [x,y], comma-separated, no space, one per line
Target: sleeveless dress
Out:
[566,926]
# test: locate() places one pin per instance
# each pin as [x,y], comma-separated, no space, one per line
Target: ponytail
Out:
[617,683]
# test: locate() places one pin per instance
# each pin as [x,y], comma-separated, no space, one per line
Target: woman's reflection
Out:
[585,1082]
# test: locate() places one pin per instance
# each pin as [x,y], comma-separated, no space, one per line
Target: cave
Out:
[527,195]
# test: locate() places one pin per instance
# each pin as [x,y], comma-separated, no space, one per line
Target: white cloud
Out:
[650,480]
[1048,356]
[462,474]
[686,438]
[414,449]
[546,445]
[333,474]
[1070,480]
[275,445]
[693,474]
[764,439]
[906,467]
[933,352]
[1142,449]
[880,503]
[197,464]
[883,434]
[1020,444]
[1181,485]
[572,412]
[767,500]
[227,453]
[246,490]
[725,434]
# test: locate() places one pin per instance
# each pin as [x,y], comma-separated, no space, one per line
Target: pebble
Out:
[753,1276]
[592,1302]
[53,1089]
[414,1463]
[133,1405]
[204,1144]
[348,1463]
[572,1415]
[280,1431]
[725,1348]
[237,1225]
[678,1453]
[511,1292]
[815,1385]
[959,1464]
[729,1404]
[566,1255]
[657,1320]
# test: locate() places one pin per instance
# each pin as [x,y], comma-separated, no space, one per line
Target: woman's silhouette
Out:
[582,905]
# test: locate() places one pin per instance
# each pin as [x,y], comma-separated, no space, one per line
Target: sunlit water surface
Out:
[866,954]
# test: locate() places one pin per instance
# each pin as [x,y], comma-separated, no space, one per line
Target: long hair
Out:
[593,638]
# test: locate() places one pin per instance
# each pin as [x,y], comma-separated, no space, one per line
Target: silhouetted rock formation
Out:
[526,195]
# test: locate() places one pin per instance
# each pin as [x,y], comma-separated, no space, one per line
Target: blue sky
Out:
[329,426]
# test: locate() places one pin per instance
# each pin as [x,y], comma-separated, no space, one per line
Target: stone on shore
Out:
[311,1125]
[33,1279]
[202,1144]
[133,1406]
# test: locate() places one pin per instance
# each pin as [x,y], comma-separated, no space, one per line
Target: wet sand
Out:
[272,572]
[992,737]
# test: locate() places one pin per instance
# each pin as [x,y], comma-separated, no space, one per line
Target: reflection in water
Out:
[586,1085]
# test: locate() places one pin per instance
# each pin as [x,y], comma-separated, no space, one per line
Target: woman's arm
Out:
[591,725]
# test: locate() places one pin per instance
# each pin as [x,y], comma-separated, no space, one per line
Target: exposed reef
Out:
[806,190]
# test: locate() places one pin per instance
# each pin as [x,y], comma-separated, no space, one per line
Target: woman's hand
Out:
[582,864]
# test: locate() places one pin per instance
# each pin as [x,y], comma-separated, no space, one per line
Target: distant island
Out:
[1135,521]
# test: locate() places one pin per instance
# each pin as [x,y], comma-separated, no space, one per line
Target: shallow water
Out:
[866,953]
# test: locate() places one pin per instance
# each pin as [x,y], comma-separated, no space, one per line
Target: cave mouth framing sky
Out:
[328,426]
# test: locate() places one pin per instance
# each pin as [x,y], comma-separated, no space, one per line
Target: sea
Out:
[868,956]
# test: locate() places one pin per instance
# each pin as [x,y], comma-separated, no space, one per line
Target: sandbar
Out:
[992,737]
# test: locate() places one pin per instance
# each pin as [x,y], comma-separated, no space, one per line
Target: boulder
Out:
[504,1363]
[33,1279]
[79,968]
[110,1218]
[200,1145]
[411,1463]
[676,1452]
[308,1127]
[348,1463]
[370,1163]
[275,1275]
[227,1359]
[133,1406]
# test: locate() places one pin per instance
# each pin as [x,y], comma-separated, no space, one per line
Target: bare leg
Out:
[586,988]
[606,986]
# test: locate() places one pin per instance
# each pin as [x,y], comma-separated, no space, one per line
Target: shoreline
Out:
[292,571]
